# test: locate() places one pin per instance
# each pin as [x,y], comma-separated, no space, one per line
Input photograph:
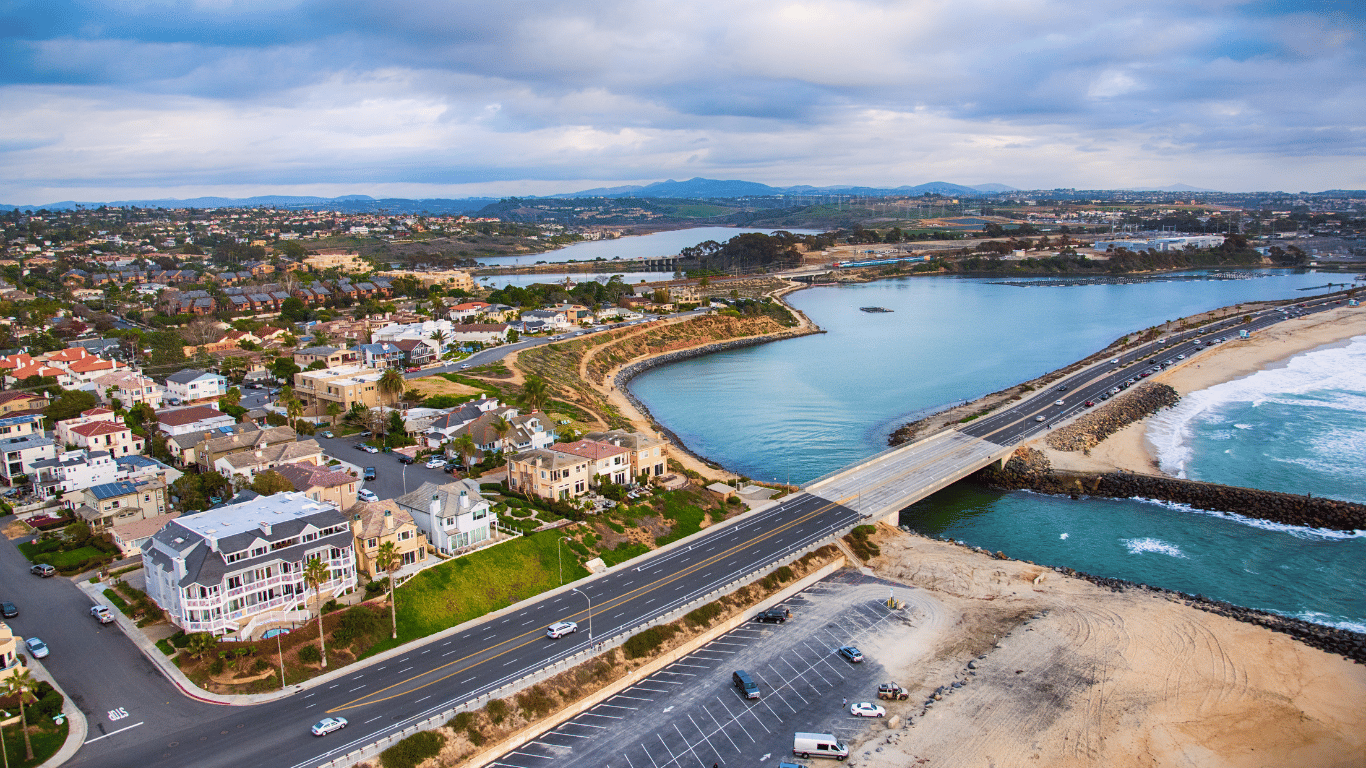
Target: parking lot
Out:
[690,714]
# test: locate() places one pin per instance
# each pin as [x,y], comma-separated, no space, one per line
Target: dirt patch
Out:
[17,529]
[435,385]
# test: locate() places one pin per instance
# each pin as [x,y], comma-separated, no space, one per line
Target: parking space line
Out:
[713,749]
[770,709]
[667,672]
[588,725]
[666,749]
[789,686]
[632,698]
[694,666]
[688,744]
[571,735]
[595,714]
[651,690]
[736,720]
[628,760]
[617,706]
[721,730]
[650,755]
[718,650]
[668,682]
[723,642]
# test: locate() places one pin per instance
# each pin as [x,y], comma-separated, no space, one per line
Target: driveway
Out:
[391,477]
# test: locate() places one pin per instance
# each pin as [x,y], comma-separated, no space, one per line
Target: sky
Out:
[138,99]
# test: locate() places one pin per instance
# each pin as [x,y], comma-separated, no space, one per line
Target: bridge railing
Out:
[872,458]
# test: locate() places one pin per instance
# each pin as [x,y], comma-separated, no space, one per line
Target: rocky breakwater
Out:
[1030,469]
[1089,430]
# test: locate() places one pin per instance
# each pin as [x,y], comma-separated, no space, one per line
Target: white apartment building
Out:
[232,570]
[453,516]
[195,386]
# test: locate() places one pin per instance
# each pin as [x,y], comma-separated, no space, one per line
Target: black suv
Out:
[369,473]
[748,688]
[772,615]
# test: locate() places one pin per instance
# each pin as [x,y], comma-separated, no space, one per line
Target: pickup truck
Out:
[772,615]
[892,691]
[102,613]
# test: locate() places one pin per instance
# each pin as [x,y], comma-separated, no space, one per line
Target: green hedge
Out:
[646,642]
[413,750]
[118,602]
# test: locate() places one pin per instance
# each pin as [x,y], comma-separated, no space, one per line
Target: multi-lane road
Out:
[427,678]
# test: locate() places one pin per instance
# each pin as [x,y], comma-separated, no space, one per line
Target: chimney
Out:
[265,527]
[388,520]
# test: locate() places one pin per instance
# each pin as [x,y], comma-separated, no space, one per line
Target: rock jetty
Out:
[1030,469]
[1088,430]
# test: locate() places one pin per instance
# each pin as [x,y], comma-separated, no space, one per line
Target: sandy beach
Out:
[1068,673]
[1129,448]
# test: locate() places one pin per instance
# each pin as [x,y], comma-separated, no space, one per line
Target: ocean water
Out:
[1297,428]
[797,409]
[1307,573]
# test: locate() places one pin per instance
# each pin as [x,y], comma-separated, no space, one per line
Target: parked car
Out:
[36,648]
[102,613]
[463,366]
[328,725]
[42,569]
[8,610]
[892,691]
[365,494]
[369,448]
[326,433]
[436,462]
[772,615]
[866,709]
[367,434]
[412,369]
[369,473]
[851,653]
[560,629]
[404,458]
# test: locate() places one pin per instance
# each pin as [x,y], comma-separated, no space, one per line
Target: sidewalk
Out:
[77,726]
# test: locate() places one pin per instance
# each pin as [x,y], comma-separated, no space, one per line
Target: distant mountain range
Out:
[697,188]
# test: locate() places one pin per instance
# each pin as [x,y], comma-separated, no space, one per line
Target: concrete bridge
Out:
[881,486]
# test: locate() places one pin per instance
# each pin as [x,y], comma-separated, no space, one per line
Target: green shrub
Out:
[779,576]
[166,647]
[118,602]
[461,721]
[180,639]
[536,702]
[703,616]
[857,540]
[646,642]
[216,668]
[356,624]
[374,588]
[260,666]
[497,710]
[413,750]
[309,654]
[614,525]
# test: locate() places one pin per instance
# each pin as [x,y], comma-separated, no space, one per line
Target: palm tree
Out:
[386,559]
[535,393]
[334,410]
[201,643]
[439,336]
[501,427]
[464,445]
[315,574]
[391,383]
[22,684]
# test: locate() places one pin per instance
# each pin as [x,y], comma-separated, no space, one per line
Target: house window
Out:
[372,543]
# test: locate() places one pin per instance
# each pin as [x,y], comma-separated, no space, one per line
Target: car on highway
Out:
[36,648]
[369,473]
[8,610]
[560,629]
[102,613]
[328,725]
[365,494]
[42,569]
[851,653]
[436,462]
[1057,402]
[1039,419]
[1090,403]
[1180,357]
[866,709]
[1063,388]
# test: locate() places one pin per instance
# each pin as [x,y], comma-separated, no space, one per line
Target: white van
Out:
[819,745]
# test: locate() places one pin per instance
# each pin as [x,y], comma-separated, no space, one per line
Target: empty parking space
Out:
[691,714]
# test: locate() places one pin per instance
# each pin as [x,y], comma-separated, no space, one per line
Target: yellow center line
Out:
[612,603]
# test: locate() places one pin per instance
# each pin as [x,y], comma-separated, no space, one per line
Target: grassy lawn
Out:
[477,584]
[46,742]
[41,554]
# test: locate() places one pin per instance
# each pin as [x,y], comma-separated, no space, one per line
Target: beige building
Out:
[605,460]
[344,386]
[110,504]
[215,445]
[649,455]
[245,464]
[549,474]
[446,278]
[333,357]
[9,652]
[321,483]
[346,261]
[376,522]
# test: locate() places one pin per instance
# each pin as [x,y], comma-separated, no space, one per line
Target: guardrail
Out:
[441,713]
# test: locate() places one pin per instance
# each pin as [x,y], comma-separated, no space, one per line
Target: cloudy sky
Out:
[420,98]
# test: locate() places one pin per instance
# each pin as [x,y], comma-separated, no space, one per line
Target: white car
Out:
[1057,402]
[560,629]
[36,648]
[369,449]
[866,709]
[328,725]
[365,494]
[436,462]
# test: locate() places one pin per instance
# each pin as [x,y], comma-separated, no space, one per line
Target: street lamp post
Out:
[559,556]
[405,479]
[590,611]
[280,650]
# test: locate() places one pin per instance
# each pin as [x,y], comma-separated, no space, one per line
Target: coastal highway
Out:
[1020,421]
[429,677]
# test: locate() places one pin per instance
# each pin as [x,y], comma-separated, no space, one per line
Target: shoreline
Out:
[1131,450]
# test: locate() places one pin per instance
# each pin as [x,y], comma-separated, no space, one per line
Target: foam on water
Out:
[1331,621]
[1333,378]
[1298,531]
[1139,546]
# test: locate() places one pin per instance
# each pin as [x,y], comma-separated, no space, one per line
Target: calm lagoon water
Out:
[795,410]
[637,247]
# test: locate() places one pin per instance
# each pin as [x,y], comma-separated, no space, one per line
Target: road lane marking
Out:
[111,733]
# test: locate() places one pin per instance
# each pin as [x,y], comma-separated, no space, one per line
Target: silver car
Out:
[36,648]
[328,725]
